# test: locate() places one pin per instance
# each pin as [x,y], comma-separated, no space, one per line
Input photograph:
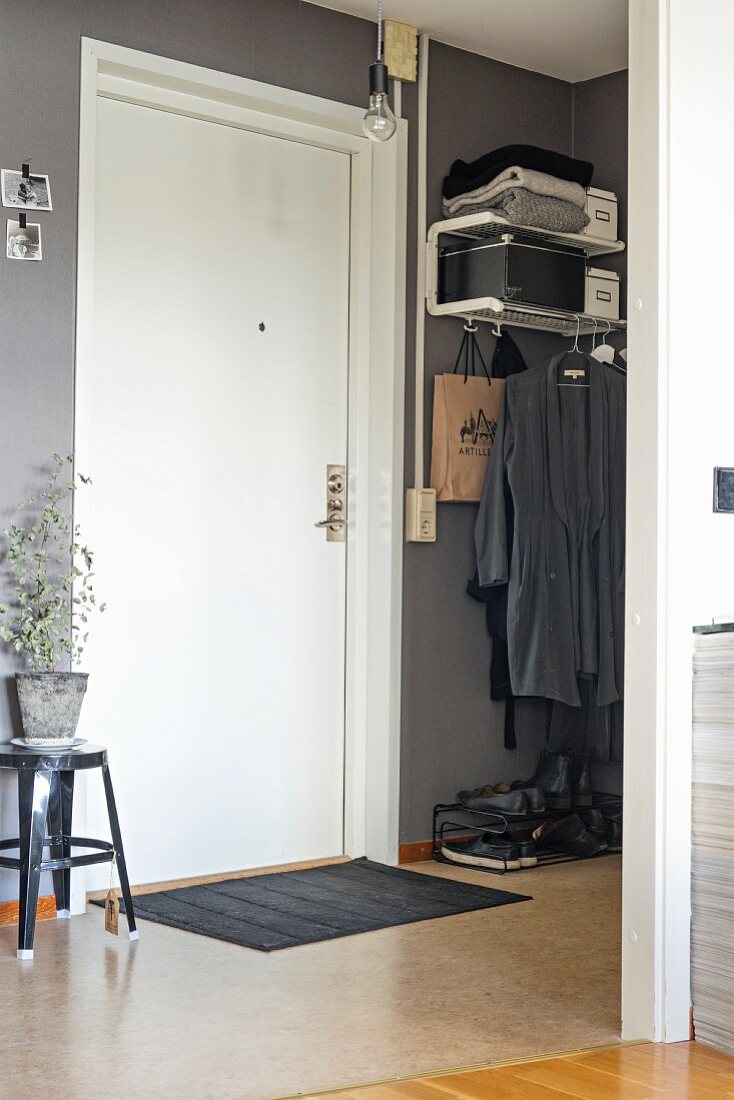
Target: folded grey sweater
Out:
[522,207]
[538,182]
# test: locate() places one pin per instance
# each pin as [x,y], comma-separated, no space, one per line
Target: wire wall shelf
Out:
[479,226]
[518,315]
[522,316]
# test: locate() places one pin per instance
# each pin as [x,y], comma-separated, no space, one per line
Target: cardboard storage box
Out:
[601,206]
[602,293]
[514,269]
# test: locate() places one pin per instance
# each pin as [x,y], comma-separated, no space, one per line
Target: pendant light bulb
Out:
[379,123]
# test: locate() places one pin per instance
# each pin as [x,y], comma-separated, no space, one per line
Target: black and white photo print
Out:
[24,244]
[25,193]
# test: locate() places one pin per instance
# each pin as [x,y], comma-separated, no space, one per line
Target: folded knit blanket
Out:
[538,182]
[466,177]
[523,207]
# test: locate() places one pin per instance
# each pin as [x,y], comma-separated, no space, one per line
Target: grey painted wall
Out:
[600,135]
[451,732]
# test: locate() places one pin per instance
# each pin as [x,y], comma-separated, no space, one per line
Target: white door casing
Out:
[376,336]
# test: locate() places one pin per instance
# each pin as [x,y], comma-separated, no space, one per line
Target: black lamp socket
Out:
[378,78]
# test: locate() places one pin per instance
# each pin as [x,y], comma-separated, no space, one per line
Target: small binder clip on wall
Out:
[26,173]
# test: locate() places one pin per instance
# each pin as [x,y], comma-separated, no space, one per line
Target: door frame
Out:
[656,889]
[376,384]
[656,860]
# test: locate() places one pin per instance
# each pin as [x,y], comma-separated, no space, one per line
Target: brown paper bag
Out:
[465,413]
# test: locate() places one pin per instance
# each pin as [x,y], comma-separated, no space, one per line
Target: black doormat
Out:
[270,912]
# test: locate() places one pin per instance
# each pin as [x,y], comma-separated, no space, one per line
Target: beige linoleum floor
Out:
[180,1015]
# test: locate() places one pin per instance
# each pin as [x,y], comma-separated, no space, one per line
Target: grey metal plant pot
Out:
[50,705]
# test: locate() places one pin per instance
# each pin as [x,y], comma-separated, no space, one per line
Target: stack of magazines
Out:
[712,947]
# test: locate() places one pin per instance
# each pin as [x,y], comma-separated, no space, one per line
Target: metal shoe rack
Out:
[483,821]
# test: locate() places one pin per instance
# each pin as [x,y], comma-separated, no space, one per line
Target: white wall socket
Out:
[420,515]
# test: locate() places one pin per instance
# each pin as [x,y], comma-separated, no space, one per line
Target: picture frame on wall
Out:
[23,244]
[25,193]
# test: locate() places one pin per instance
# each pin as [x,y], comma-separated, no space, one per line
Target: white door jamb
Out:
[657,752]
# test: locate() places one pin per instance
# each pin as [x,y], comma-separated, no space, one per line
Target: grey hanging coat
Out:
[561,451]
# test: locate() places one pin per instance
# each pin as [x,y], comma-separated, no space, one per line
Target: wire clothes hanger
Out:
[605,352]
[576,372]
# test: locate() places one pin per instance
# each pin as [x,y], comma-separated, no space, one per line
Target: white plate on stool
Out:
[37,747]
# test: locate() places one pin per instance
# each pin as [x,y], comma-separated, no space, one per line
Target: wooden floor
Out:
[679,1071]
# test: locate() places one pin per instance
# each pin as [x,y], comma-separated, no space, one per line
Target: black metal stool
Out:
[46,789]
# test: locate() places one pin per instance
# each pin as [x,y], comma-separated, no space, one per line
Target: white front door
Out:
[219,396]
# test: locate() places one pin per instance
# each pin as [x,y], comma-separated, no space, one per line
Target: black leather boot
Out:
[613,834]
[553,776]
[581,785]
[613,821]
[594,821]
[611,810]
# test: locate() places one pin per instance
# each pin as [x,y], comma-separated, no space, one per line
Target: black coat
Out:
[506,361]
[561,450]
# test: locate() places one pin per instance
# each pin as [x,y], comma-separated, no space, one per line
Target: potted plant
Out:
[46,622]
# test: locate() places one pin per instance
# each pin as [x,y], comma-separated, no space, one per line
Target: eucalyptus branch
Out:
[51,574]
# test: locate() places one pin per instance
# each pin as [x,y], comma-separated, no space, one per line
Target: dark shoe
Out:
[594,821]
[484,851]
[513,803]
[528,851]
[610,807]
[613,835]
[581,785]
[536,799]
[553,777]
[609,804]
[569,836]
[478,792]
[484,792]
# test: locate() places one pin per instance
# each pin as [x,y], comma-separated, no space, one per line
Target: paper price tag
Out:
[111,913]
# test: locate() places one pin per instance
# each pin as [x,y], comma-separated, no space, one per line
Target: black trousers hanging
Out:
[586,728]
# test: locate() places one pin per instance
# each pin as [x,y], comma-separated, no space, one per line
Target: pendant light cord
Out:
[379,29]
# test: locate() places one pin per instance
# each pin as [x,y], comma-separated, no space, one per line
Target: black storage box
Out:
[515,269]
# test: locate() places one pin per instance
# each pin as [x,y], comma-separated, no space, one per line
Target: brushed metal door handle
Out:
[334,523]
